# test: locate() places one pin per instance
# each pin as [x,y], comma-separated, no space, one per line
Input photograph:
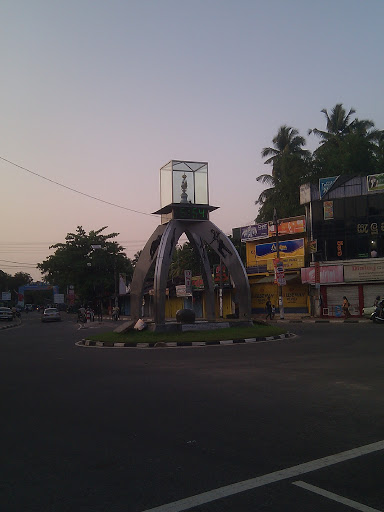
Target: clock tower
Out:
[185,209]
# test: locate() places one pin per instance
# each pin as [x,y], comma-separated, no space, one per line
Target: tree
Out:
[290,167]
[21,278]
[92,270]
[349,146]
[338,124]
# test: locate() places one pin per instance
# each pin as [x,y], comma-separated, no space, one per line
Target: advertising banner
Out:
[313,246]
[328,275]
[279,272]
[188,280]
[289,226]
[197,283]
[328,210]
[325,184]
[375,182]
[58,298]
[286,248]
[182,292]
[261,256]
[254,232]
[5,295]
[224,273]
[364,272]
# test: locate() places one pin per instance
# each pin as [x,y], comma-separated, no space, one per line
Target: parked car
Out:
[6,314]
[51,315]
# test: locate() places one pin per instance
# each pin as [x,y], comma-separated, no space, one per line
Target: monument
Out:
[185,208]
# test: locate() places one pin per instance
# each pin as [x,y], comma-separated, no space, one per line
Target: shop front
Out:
[295,294]
[360,282]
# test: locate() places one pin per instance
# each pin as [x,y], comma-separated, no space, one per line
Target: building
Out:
[345,220]
[261,259]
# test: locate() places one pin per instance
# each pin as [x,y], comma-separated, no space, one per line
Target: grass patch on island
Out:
[231,333]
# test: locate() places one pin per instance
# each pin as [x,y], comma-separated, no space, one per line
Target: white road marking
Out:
[336,497]
[253,483]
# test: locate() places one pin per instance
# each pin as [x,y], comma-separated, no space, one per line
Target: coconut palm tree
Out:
[287,142]
[338,123]
[289,166]
[348,146]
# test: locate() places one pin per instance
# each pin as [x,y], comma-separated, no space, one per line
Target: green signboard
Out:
[375,182]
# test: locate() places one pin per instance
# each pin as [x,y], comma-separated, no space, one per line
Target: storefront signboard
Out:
[197,283]
[375,182]
[289,226]
[254,232]
[328,274]
[181,291]
[325,184]
[364,272]
[294,296]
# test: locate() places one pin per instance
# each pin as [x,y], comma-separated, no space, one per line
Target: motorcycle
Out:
[378,314]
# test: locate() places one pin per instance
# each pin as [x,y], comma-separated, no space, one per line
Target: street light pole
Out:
[279,287]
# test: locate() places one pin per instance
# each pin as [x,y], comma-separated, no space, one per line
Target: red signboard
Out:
[328,274]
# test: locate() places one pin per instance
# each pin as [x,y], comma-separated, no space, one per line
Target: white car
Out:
[51,315]
[6,314]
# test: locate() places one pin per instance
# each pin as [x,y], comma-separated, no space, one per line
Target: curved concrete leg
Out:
[198,246]
[174,229]
[222,245]
[145,262]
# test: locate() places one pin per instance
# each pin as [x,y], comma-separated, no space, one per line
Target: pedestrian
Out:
[273,311]
[345,307]
[268,307]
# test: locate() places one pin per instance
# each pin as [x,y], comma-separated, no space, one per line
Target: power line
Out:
[18,262]
[74,190]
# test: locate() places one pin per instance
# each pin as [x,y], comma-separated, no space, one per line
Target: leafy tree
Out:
[5,281]
[21,278]
[92,270]
[348,146]
[290,167]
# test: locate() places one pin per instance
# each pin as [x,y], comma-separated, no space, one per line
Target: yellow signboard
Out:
[291,252]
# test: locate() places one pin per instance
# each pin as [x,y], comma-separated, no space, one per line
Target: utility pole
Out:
[279,287]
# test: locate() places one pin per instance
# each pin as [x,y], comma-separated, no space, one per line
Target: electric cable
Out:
[73,189]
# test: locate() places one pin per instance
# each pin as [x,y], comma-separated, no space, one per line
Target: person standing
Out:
[345,307]
[268,307]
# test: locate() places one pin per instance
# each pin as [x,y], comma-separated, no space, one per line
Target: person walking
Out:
[268,307]
[345,307]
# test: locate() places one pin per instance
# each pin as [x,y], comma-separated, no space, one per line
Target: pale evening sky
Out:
[98,95]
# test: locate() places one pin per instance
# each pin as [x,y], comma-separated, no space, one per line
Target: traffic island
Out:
[174,344]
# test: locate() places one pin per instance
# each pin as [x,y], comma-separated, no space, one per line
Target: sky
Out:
[98,95]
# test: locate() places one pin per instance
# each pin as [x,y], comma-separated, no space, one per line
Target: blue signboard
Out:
[325,184]
[288,247]
[254,232]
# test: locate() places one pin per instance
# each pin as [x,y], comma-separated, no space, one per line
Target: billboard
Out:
[262,255]
[375,182]
[254,232]
[289,226]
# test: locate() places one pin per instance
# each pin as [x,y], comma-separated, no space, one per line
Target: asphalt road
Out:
[128,430]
